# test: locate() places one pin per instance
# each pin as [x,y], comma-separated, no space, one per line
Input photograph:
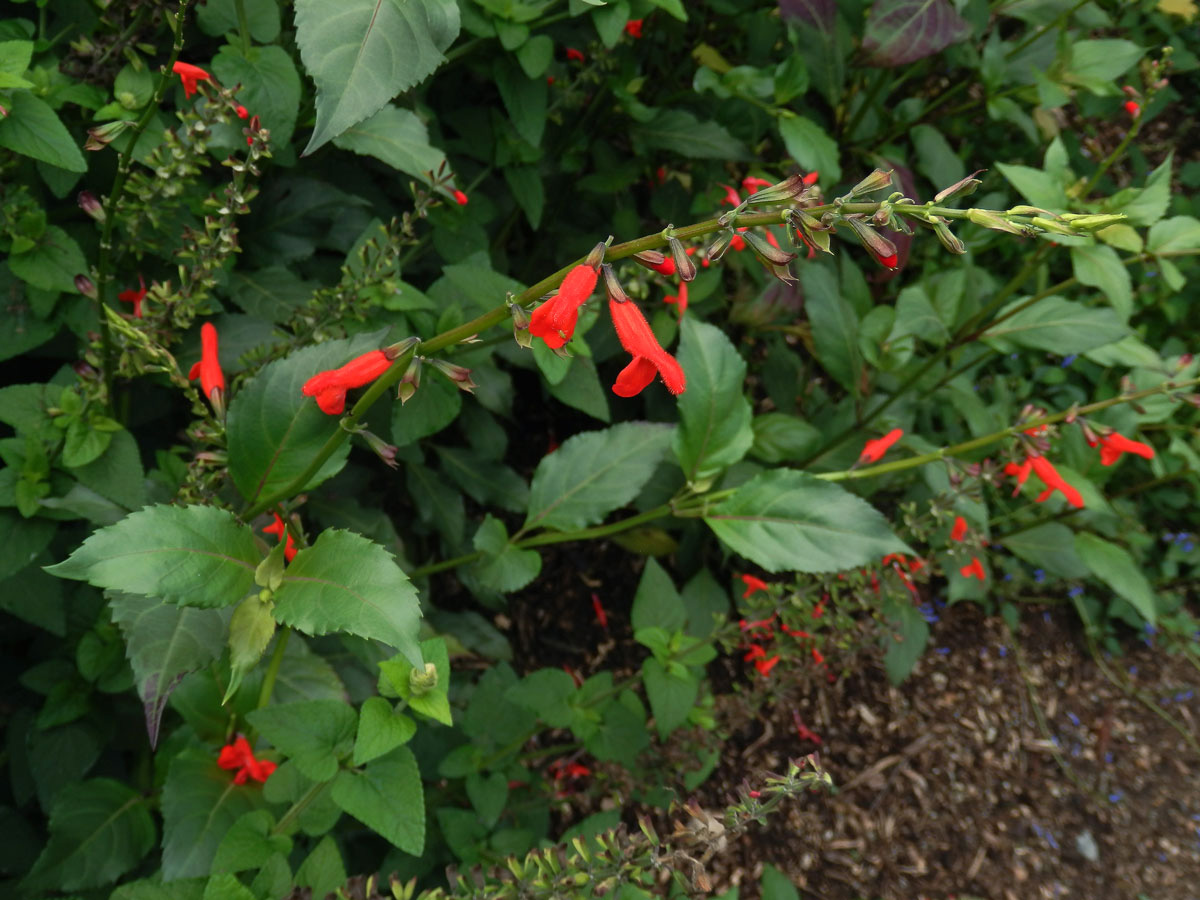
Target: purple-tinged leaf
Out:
[820,14]
[902,31]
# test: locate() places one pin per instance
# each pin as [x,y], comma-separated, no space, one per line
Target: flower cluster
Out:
[762,631]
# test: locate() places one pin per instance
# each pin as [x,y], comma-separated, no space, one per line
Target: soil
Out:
[999,769]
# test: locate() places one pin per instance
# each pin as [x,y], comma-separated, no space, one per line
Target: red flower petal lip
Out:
[875,449]
[189,75]
[639,341]
[329,387]
[208,370]
[959,531]
[555,320]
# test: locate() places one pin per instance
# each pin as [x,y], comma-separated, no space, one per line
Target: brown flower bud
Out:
[961,188]
[684,267]
[91,205]
[85,286]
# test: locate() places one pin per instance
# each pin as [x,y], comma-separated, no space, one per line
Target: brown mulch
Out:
[949,786]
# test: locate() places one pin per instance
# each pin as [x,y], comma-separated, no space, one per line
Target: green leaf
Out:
[274,430]
[485,480]
[487,794]
[388,798]
[190,555]
[714,416]
[1039,188]
[33,129]
[99,830]
[434,701]
[1113,565]
[15,57]
[1150,203]
[380,730]
[936,159]
[362,53]
[525,183]
[248,842]
[1062,326]
[200,803]
[834,327]
[1094,64]
[219,17]
[704,599]
[535,55]
[1100,267]
[504,568]
[779,437]
[546,692]
[314,734]
[322,871]
[657,603]
[84,444]
[899,32]
[226,886]
[397,137]
[524,99]
[164,642]
[904,640]
[776,885]
[679,131]
[811,147]
[435,405]
[22,540]
[1050,546]
[345,582]
[117,473]
[273,293]
[580,387]
[1174,235]
[790,521]
[915,315]
[671,696]
[271,86]
[52,262]
[594,473]
[672,7]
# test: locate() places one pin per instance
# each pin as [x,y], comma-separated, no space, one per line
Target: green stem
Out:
[299,806]
[104,274]
[1011,431]
[268,685]
[243,26]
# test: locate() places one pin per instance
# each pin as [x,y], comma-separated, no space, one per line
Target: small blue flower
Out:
[1075,591]
[943,650]
[1115,797]
[1039,575]
[1003,650]
[1133,670]
[1067,360]
[1046,617]
[1168,537]
[1108,758]
[1189,547]
[1074,719]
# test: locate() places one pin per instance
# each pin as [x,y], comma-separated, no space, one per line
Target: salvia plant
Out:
[329,323]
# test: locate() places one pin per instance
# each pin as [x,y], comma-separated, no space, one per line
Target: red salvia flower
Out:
[811,178]
[751,184]
[1021,471]
[1112,446]
[974,568]
[278,529]
[554,321]
[764,624]
[1054,482]
[737,242]
[959,531]
[639,341]
[818,656]
[598,608]
[877,447]
[755,652]
[241,111]
[752,585]
[238,755]
[633,28]
[666,267]
[330,387]
[731,197]
[1132,107]
[135,297]
[803,731]
[460,198]
[574,55]
[208,370]
[681,298]
[765,666]
[189,75]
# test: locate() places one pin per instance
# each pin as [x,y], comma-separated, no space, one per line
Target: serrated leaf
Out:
[1151,201]
[671,696]
[594,473]
[313,734]
[271,87]
[22,539]
[1113,565]
[216,17]
[200,803]
[117,474]
[811,146]
[546,692]
[834,326]
[248,842]
[714,416]
[1100,267]
[1174,235]
[32,128]
[1040,188]
[387,797]
[656,603]
[52,262]
[99,830]
[163,643]
[397,137]
[679,131]
[1062,326]
[190,555]
[1050,546]
[274,430]
[790,521]
[362,53]
[899,32]
[345,582]
[504,568]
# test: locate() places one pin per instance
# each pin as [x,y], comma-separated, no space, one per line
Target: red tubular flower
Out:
[737,242]
[975,568]
[751,184]
[238,755]
[731,197]
[633,28]
[241,111]
[681,298]
[1132,107]
[598,608]
[959,531]
[189,75]
[554,321]
[208,370]
[666,267]
[753,584]
[135,297]
[877,447]
[639,341]
[277,528]
[755,652]
[1113,445]
[765,666]
[1054,482]
[330,387]
[574,55]
[460,198]
[811,178]
[818,656]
